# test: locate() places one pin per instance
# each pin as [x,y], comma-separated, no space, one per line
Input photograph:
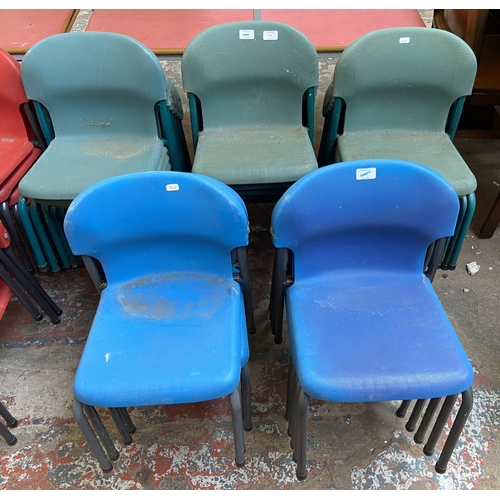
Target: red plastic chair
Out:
[18,141]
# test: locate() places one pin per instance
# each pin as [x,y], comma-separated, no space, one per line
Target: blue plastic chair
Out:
[364,322]
[106,108]
[251,89]
[170,327]
[398,93]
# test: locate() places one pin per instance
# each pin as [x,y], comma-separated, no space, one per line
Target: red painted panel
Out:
[334,29]
[22,28]
[166,30]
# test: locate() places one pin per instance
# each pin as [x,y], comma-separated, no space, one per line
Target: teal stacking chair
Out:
[251,89]
[170,327]
[106,108]
[399,93]
[364,322]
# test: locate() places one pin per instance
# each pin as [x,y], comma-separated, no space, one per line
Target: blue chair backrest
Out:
[95,84]
[158,222]
[250,81]
[376,215]
[403,79]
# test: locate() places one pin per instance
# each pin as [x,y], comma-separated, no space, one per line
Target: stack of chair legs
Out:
[11,422]
[23,284]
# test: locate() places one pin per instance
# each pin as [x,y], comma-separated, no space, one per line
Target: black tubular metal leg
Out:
[41,297]
[415,415]
[246,397]
[91,438]
[426,420]
[120,425]
[18,292]
[9,419]
[127,421]
[294,417]
[435,258]
[277,300]
[95,271]
[98,426]
[241,254]
[7,435]
[15,236]
[439,424]
[301,433]
[456,430]
[237,417]
[403,408]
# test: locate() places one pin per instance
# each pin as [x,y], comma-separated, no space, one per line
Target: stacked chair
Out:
[399,93]
[364,322]
[106,108]
[20,145]
[170,326]
[251,89]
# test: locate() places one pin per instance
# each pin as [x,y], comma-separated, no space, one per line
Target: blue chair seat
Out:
[334,322]
[180,325]
[53,178]
[261,155]
[439,153]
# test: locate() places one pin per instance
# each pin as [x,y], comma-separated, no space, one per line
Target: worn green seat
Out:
[251,88]
[398,93]
[100,90]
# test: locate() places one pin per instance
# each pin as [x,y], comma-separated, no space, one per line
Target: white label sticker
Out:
[172,187]
[247,35]
[404,39]
[270,35]
[363,174]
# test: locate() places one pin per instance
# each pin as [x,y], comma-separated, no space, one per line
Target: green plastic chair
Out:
[251,89]
[398,93]
[106,108]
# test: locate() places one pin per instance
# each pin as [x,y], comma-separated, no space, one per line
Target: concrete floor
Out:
[351,446]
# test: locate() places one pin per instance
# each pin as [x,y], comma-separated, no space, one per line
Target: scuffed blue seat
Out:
[171,326]
[364,321]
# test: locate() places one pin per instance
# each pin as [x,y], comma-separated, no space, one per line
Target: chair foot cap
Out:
[418,441]
[440,470]
[107,469]
[240,464]
[301,477]
[428,453]
[12,442]
[248,429]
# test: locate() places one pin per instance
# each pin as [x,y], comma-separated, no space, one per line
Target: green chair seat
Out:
[249,156]
[434,150]
[69,166]
[251,87]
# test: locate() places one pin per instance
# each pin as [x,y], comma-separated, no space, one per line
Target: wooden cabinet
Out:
[480,28]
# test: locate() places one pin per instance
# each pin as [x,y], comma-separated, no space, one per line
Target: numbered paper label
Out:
[172,187]
[270,35]
[364,174]
[404,39]
[247,34]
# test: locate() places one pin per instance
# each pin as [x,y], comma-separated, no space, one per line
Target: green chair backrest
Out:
[403,79]
[95,84]
[250,73]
